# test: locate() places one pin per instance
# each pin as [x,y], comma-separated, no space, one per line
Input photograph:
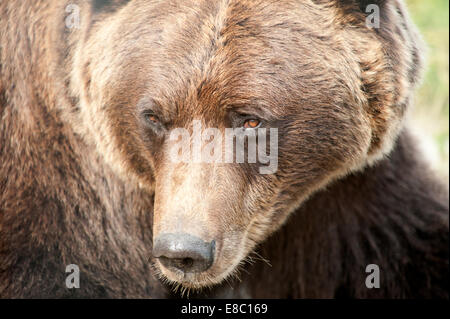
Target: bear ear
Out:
[391,56]
[107,5]
[362,6]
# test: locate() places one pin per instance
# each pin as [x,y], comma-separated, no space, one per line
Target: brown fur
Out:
[83,180]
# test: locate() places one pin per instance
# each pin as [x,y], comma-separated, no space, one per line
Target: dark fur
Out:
[63,202]
[384,216]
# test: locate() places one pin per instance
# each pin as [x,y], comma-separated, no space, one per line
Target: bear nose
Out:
[184,252]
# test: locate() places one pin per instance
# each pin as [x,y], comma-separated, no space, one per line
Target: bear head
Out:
[334,86]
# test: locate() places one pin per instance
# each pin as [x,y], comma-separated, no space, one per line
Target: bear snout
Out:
[184,252]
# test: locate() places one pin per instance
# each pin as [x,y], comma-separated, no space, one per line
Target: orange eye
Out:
[152,118]
[252,123]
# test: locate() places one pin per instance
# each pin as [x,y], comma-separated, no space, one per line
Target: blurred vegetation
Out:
[431,113]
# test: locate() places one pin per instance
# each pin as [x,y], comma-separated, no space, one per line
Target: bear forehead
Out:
[226,53]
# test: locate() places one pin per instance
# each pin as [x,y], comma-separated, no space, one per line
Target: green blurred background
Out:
[430,116]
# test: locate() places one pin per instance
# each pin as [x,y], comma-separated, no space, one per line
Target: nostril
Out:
[187,262]
[184,252]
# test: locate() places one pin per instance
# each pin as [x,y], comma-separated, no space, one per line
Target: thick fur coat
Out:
[83,181]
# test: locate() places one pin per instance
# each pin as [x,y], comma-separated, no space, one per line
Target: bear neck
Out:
[370,217]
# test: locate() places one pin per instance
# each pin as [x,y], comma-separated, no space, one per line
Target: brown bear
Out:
[90,91]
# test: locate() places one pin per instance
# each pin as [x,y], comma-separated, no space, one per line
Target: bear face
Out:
[296,66]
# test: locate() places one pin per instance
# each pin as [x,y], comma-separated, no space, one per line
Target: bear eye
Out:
[252,123]
[151,118]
